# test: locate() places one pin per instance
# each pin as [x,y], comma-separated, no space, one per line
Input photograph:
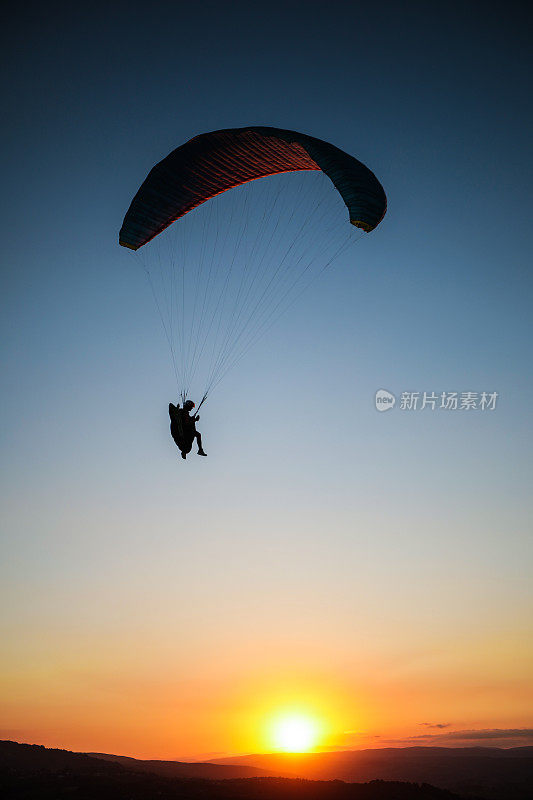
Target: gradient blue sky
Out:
[316,524]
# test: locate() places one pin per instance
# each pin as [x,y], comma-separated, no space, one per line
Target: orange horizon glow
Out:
[160,685]
[209,718]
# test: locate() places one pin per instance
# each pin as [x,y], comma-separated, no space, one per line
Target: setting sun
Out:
[295,733]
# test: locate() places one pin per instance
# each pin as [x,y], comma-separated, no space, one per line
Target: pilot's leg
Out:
[199,441]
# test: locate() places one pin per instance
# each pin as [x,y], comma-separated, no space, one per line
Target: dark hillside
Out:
[28,772]
[184,769]
[489,772]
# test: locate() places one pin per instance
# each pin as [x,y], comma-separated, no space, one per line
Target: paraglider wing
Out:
[215,162]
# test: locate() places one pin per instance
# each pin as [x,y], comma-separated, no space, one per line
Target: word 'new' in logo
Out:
[384,400]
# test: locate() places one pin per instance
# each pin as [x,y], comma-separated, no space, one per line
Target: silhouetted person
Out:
[183,428]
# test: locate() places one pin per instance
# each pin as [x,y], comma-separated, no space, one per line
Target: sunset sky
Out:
[369,572]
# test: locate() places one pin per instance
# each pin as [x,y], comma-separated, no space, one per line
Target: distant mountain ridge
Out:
[494,773]
[28,772]
[473,773]
[186,769]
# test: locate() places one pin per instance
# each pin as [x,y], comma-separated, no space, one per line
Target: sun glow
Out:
[295,733]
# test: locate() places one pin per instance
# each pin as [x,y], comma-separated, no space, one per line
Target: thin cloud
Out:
[495,737]
[435,724]
[493,733]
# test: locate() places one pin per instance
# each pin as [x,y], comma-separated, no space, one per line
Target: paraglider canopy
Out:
[215,162]
[224,275]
